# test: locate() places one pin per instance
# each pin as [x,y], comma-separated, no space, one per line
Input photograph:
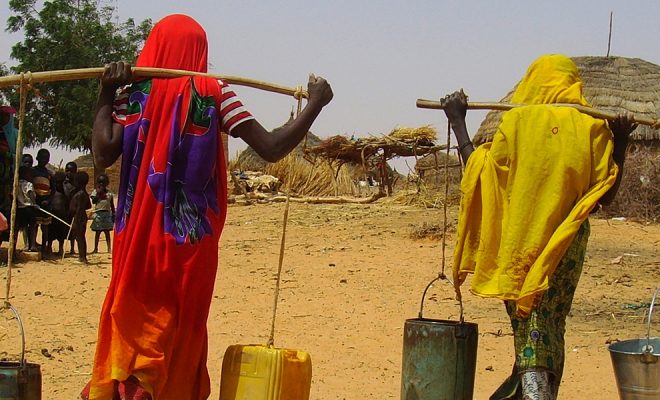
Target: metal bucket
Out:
[20,380]
[636,364]
[439,358]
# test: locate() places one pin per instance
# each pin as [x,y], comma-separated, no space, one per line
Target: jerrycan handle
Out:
[20,326]
[441,276]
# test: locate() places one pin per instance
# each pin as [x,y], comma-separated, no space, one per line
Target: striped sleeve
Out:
[120,106]
[232,111]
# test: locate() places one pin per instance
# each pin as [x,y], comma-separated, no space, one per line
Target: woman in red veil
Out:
[152,340]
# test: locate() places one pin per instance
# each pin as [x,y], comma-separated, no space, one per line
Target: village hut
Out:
[299,173]
[249,160]
[432,166]
[615,84]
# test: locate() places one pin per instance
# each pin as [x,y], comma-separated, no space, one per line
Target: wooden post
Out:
[386,174]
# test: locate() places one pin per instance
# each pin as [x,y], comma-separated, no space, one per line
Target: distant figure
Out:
[78,207]
[70,170]
[25,202]
[59,206]
[104,211]
[41,180]
[27,161]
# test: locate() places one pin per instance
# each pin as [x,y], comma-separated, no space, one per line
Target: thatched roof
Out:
[611,84]
[436,161]
[248,159]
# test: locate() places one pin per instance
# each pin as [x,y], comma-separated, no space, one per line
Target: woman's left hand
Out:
[622,126]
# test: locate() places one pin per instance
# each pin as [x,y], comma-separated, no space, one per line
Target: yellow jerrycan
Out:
[262,372]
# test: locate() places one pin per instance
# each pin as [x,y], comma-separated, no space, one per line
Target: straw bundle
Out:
[340,148]
[611,84]
[421,133]
[401,142]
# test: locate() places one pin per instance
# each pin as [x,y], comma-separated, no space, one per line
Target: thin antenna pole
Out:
[609,38]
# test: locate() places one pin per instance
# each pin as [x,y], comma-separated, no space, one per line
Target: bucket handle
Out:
[20,326]
[441,276]
[648,348]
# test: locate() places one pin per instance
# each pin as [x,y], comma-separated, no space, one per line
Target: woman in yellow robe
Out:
[526,196]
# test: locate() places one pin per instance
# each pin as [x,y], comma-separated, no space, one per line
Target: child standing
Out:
[25,201]
[78,207]
[41,179]
[104,211]
[59,206]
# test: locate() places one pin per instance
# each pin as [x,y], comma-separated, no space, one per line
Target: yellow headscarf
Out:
[525,195]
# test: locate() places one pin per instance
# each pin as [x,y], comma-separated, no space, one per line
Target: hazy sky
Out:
[380,56]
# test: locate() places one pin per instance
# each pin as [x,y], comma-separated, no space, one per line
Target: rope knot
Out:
[299,93]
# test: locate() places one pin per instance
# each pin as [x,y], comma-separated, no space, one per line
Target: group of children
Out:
[58,202]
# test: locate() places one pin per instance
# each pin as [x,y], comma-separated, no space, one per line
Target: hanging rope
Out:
[298,95]
[271,338]
[19,153]
[441,274]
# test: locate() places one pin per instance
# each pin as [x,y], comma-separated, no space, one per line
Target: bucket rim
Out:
[18,364]
[440,321]
[612,347]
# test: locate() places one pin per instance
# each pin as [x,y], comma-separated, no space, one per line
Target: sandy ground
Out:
[352,276]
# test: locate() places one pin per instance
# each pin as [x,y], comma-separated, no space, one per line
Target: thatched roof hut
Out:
[611,84]
[436,161]
[249,160]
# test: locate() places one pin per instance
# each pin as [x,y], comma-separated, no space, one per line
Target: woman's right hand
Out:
[319,90]
[455,106]
[117,74]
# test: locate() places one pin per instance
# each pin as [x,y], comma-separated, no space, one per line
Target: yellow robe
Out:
[525,195]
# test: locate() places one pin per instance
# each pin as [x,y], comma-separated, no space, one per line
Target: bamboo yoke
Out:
[439,105]
[26,80]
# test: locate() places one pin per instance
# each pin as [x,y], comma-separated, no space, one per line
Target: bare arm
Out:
[455,110]
[107,135]
[621,127]
[274,145]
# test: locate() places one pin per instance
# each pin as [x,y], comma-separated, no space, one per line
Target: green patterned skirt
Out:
[539,338]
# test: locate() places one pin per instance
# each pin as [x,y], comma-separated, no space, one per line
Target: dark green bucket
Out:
[439,358]
[19,380]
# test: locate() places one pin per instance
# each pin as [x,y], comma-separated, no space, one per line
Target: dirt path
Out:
[352,276]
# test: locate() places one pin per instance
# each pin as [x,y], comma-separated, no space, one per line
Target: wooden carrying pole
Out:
[97,72]
[438,105]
